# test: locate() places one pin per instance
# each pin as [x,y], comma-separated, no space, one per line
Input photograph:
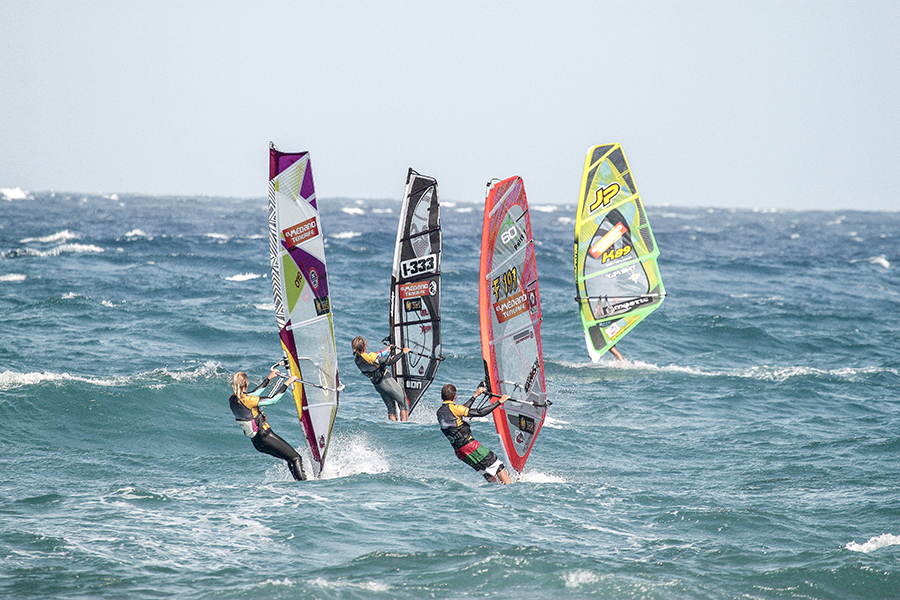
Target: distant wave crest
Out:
[875,543]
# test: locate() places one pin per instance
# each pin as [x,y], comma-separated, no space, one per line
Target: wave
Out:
[762,373]
[880,260]
[352,455]
[244,277]
[353,210]
[61,249]
[346,235]
[16,194]
[876,543]
[530,476]
[156,378]
[62,236]
[13,277]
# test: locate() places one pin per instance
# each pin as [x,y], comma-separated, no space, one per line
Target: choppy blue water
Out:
[748,448]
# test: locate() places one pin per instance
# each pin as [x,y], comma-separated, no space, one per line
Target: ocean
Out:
[746,449]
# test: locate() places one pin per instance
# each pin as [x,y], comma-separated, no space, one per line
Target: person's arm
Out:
[278,393]
[477,393]
[397,357]
[265,382]
[486,410]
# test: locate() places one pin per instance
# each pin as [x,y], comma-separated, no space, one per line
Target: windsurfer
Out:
[247,412]
[374,366]
[468,449]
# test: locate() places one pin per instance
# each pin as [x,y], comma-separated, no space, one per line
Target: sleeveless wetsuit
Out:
[374,366]
[450,417]
[253,421]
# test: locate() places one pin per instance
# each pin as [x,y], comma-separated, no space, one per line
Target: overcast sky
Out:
[730,104]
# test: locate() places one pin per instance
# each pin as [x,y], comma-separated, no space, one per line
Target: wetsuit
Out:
[450,417]
[253,421]
[374,366]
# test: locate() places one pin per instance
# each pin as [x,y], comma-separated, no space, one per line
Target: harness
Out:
[375,373]
[250,424]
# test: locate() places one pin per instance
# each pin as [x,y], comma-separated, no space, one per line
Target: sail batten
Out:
[617,277]
[301,297]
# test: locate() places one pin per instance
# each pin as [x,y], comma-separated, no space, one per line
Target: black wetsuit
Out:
[254,423]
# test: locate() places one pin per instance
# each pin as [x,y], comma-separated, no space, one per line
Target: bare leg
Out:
[392,416]
[616,353]
[504,477]
[404,415]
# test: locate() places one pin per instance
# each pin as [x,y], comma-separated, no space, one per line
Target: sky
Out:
[760,104]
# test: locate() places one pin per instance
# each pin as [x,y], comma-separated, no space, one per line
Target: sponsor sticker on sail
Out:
[613,236]
[511,306]
[299,233]
[415,289]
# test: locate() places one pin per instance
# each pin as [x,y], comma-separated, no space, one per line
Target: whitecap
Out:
[353,210]
[555,423]
[136,233]
[539,477]
[346,235]
[15,194]
[71,248]
[545,208]
[369,586]
[13,277]
[265,306]
[62,236]
[875,543]
[352,455]
[580,577]
[465,209]
[218,236]
[880,260]
[382,211]
[565,220]
[11,379]
[243,277]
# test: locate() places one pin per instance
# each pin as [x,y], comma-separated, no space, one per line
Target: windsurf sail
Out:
[616,273]
[510,315]
[302,302]
[415,319]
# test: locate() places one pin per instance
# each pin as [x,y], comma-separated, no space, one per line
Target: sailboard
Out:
[302,301]
[510,318]
[616,271]
[415,319]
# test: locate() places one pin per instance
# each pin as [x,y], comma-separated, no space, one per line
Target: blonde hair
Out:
[358,344]
[239,383]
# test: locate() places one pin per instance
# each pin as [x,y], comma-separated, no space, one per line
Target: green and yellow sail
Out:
[616,273]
